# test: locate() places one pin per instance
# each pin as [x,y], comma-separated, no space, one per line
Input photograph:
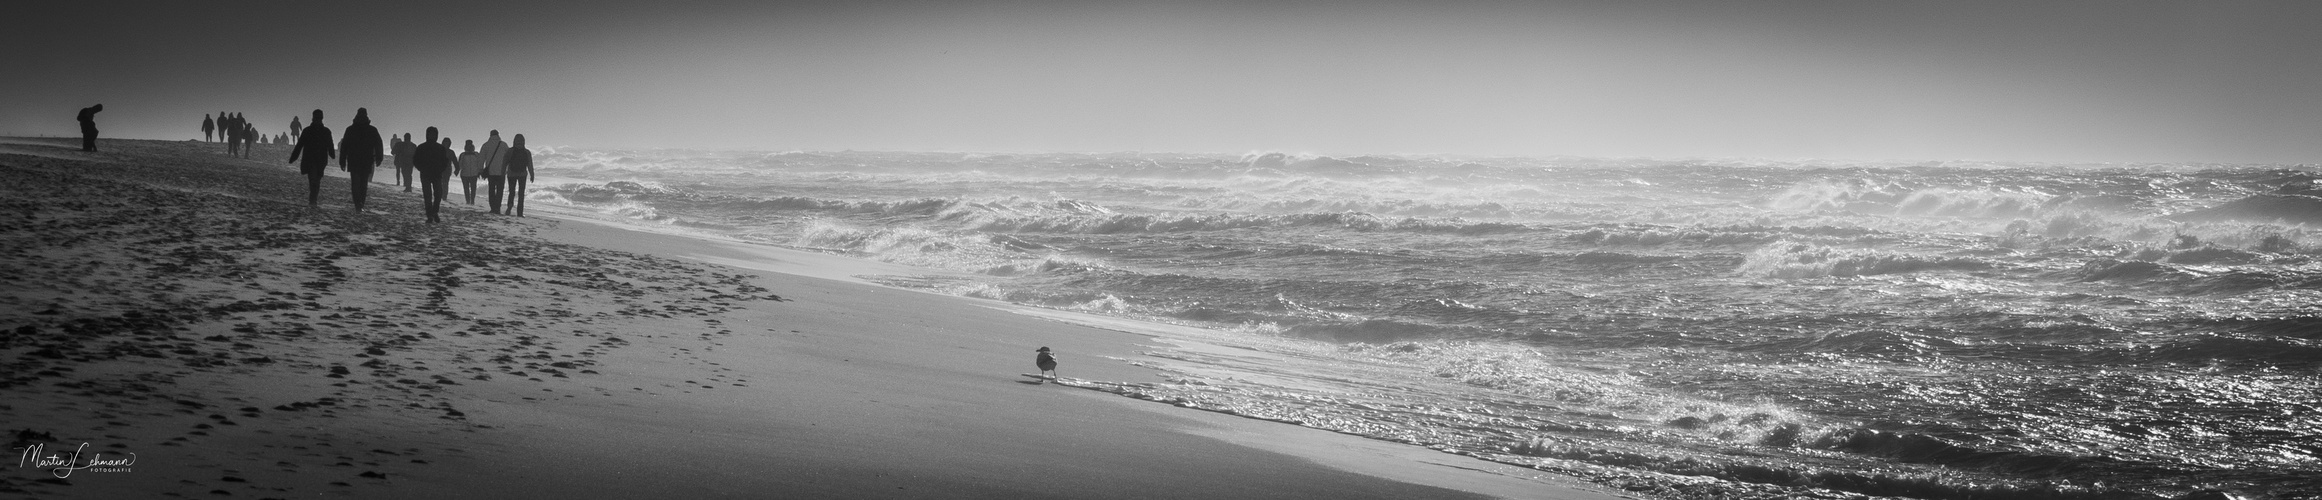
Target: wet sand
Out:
[161,299]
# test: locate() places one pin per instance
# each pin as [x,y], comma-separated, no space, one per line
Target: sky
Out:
[2053,81]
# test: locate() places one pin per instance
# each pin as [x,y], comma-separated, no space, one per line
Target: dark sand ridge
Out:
[161,299]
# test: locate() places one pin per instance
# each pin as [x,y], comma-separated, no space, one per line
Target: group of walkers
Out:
[507,167]
[238,133]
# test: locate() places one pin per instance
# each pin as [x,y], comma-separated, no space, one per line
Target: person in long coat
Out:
[360,150]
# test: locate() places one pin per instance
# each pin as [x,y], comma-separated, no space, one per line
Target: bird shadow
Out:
[1032,382]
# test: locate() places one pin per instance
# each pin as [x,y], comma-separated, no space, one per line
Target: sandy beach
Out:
[163,300]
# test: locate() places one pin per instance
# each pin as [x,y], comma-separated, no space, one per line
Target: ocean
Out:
[1682,329]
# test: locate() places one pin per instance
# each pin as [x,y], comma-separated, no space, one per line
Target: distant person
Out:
[207,126]
[359,151]
[249,139]
[470,167]
[443,177]
[402,152]
[315,144]
[232,135]
[433,160]
[294,128]
[89,127]
[519,165]
[241,136]
[1046,362]
[495,156]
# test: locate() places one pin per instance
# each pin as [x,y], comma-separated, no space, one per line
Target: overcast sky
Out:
[1995,80]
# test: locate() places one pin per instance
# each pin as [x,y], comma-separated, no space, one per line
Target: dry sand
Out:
[160,299]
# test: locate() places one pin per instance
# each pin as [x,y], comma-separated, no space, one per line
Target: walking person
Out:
[250,140]
[1047,363]
[402,152]
[434,161]
[207,126]
[519,165]
[315,144]
[240,137]
[231,133]
[495,169]
[470,167]
[360,150]
[294,128]
[443,177]
[89,127]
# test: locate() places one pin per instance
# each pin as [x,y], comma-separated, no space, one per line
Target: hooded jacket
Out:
[361,146]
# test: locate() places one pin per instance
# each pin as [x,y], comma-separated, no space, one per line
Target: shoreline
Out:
[592,360]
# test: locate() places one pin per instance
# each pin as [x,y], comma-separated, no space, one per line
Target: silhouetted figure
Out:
[360,150]
[294,128]
[315,144]
[495,156]
[238,141]
[252,137]
[241,136]
[231,133]
[89,127]
[433,160]
[519,166]
[402,152]
[1046,362]
[470,167]
[443,177]
[207,126]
